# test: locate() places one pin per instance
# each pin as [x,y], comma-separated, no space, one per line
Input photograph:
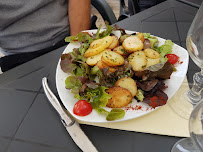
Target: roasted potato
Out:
[150,53]
[96,43]
[99,46]
[120,97]
[114,43]
[132,44]
[112,59]
[102,65]
[140,36]
[138,60]
[94,59]
[120,50]
[127,83]
[152,61]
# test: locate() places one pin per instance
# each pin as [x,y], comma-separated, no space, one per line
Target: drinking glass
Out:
[195,142]
[194,43]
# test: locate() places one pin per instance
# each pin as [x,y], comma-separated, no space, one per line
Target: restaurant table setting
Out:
[30,123]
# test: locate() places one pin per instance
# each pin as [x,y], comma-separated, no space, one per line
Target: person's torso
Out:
[30,25]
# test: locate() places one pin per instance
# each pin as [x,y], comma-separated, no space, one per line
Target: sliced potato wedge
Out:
[140,36]
[127,83]
[112,59]
[98,47]
[120,97]
[138,60]
[150,53]
[102,65]
[120,50]
[152,61]
[132,44]
[114,43]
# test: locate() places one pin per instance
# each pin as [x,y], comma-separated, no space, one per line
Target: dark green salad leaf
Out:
[84,38]
[115,114]
[102,111]
[73,83]
[104,33]
[99,96]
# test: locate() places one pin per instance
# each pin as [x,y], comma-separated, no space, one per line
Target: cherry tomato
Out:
[172,58]
[82,108]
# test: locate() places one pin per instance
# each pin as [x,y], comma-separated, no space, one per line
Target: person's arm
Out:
[79,15]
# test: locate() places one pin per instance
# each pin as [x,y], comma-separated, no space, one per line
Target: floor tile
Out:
[183,28]
[14,106]
[26,82]
[152,141]
[164,16]
[4,143]
[52,79]
[42,125]
[182,16]
[25,146]
[162,29]
[110,139]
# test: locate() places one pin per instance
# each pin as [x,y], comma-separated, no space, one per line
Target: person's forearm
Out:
[79,15]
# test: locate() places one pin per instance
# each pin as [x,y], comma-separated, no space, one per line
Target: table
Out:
[28,123]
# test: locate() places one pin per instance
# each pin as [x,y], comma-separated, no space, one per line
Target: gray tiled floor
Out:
[4,143]
[11,119]
[21,145]
[45,125]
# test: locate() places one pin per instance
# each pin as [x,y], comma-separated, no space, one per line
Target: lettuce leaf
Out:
[153,40]
[165,49]
[146,35]
[115,114]
[66,64]
[99,96]
[82,37]
[76,55]
[74,83]
[104,33]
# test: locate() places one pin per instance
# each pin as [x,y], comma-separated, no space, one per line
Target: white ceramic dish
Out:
[134,109]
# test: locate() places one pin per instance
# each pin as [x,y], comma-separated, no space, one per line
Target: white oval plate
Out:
[134,109]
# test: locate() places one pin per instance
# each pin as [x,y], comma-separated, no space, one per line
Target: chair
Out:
[131,9]
[105,10]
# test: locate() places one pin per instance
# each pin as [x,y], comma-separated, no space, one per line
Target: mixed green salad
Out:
[90,83]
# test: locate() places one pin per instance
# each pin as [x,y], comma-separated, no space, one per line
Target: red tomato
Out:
[172,58]
[82,108]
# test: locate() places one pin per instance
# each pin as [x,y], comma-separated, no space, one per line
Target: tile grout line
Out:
[13,137]
[177,28]
[37,93]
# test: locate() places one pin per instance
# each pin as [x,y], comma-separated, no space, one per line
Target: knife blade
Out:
[69,123]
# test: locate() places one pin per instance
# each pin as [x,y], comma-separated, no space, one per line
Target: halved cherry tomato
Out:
[82,108]
[172,58]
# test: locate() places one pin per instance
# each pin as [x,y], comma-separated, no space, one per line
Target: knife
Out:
[69,123]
